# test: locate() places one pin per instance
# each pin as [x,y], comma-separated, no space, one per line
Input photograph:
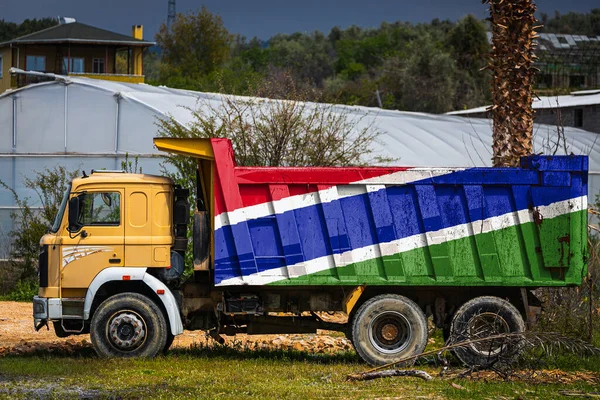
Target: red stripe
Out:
[237,187]
[310,175]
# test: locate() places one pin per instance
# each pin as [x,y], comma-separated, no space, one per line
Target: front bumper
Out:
[40,311]
[45,310]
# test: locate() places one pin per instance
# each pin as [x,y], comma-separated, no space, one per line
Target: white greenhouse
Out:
[91,124]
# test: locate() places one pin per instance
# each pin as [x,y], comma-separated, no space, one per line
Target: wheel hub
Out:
[390,332]
[127,331]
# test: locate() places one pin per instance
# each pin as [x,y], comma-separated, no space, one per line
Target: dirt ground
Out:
[18,334]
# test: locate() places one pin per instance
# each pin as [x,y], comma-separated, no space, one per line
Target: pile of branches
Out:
[530,351]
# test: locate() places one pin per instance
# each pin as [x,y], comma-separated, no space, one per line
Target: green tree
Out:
[151,66]
[306,55]
[470,48]
[424,81]
[573,23]
[252,54]
[243,70]
[12,30]
[469,44]
[359,51]
[197,44]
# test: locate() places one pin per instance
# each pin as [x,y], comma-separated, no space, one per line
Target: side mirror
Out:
[73,214]
[106,199]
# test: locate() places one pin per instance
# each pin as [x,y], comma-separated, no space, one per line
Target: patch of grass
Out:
[236,373]
[23,291]
[573,362]
[239,351]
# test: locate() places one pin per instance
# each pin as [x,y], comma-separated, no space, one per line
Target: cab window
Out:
[100,208]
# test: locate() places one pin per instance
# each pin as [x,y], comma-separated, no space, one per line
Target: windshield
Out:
[61,210]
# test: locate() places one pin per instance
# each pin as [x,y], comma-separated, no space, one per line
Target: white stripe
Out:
[327,195]
[412,242]
[72,253]
[408,176]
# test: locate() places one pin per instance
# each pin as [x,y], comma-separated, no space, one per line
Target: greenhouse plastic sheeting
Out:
[105,120]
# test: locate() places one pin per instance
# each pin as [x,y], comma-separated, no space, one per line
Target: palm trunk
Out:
[513,73]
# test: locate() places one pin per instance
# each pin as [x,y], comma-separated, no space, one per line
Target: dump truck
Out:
[273,250]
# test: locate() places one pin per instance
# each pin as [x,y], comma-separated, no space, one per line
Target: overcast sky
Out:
[263,18]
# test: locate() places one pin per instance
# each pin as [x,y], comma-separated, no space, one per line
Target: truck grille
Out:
[43,266]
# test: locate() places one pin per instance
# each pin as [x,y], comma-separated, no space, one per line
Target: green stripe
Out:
[551,254]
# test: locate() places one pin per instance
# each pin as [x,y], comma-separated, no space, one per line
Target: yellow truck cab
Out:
[116,228]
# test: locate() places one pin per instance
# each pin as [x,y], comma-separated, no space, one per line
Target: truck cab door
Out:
[99,243]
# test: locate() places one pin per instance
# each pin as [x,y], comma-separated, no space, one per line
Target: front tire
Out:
[388,328]
[128,325]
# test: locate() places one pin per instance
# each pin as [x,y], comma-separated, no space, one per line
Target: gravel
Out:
[18,336]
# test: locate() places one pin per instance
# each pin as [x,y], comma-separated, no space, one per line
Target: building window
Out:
[1,66]
[98,66]
[76,65]
[578,117]
[36,63]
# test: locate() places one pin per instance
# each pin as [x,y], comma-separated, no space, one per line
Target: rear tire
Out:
[481,317]
[128,325]
[388,328]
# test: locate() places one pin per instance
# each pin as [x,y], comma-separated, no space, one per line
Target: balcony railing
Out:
[22,79]
[110,77]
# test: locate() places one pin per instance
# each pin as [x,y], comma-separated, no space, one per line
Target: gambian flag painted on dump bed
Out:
[400,226]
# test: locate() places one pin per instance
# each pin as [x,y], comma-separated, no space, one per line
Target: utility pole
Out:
[171,14]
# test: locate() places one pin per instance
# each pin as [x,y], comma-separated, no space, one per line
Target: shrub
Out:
[30,222]
[264,132]
[23,291]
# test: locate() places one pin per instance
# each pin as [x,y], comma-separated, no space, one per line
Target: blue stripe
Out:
[349,223]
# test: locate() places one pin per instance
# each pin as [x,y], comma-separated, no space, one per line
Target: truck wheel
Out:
[481,317]
[388,328]
[128,325]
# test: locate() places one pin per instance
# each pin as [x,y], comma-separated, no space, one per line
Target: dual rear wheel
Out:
[481,318]
[390,328]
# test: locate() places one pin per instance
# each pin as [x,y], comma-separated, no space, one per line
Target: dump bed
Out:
[522,226]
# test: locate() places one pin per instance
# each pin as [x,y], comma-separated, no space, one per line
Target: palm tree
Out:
[513,31]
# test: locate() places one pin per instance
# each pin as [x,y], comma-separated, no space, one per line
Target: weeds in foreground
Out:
[509,355]
[256,351]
